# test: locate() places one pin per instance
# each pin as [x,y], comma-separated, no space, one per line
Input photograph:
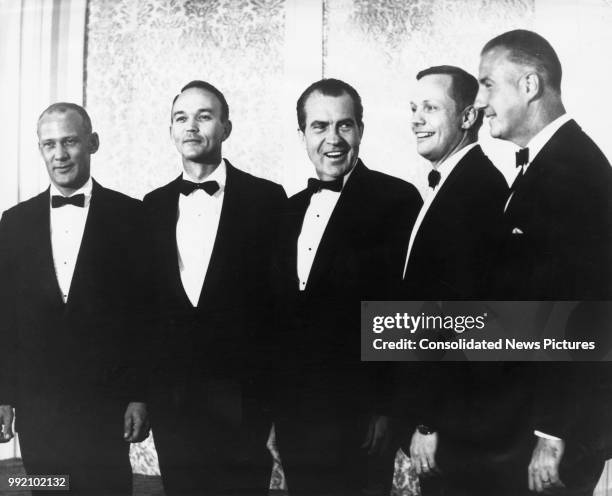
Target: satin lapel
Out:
[228,230]
[460,170]
[40,260]
[165,237]
[340,224]
[93,236]
[292,226]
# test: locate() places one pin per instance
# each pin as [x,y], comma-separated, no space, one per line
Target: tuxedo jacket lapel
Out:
[339,226]
[41,255]
[166,238]
[227,233]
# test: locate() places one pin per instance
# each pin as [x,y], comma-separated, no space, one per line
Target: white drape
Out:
[42,45]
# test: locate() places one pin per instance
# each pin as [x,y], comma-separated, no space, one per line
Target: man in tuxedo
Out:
[344,237]
[213,233]
[73,314]
[459,417]
[557,243]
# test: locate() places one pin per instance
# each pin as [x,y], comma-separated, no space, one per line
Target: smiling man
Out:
[213,237]
[450,257]
[557,244]
[73,310]
[343,242]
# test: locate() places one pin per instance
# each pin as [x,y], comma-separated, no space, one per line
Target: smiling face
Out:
[501,98]
[436,120]
[332,134]
[66,146]
[198,128]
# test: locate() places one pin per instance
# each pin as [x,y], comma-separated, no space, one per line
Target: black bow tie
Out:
[315,185]
[522,157]
[60,201]
[187,187]
[433,178]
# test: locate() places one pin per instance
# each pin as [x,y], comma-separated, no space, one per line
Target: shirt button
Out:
[309,249]
[318,215]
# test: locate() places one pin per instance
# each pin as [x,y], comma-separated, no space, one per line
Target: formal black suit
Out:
[209,411]
[558,245]
[477,409]
[454,248]
[326,395]
[71,368]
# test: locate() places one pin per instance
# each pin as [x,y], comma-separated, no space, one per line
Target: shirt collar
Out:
[219,175]
[86,189]
[446,167]
[539,140]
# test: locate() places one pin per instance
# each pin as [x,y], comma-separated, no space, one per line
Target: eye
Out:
[428,107]
[346,126]
[70,141]
[205,117]
[180,118]
[48,145]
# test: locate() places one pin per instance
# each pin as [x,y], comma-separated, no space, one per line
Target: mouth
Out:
[192,140]
[336,154]
[63,168]
[423,134]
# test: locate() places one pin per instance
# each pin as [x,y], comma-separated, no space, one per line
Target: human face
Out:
[332,134]
[501,98]
[66,147]
[198,128]
[436,120]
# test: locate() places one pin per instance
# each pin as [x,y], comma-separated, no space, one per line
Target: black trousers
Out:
[83,441]
[323,457]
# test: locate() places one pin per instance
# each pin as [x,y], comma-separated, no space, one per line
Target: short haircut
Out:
[529,48]
[329,87]
[206,86]
[464,88]
[63,107]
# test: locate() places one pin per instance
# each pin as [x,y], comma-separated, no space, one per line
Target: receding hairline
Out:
[224,111]
[63,108]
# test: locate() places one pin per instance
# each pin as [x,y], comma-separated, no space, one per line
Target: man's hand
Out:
[6,423]
[544,466]
[135,423]
[377,437]
[423,452]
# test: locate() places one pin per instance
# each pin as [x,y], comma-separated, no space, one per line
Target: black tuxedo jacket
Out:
[70,369]
[452,253]
[360,257]
[83,350]
[558,245]
[216,356]
[476,408]
[558,224]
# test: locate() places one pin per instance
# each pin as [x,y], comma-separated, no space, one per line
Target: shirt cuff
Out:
[547,436]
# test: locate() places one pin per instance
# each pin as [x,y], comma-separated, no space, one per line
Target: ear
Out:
[361,131]
[532,85]
[302,136]
[227,130]
[469,117]
[94,143]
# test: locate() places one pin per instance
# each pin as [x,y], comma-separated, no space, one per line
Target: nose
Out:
[417,117]
[333,137]
[60,152]
[192,125]
[481,99]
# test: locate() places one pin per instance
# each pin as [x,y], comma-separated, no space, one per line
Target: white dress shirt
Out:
[318,213]
[536,144]
[445,168]
[196,231]
[67,226]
